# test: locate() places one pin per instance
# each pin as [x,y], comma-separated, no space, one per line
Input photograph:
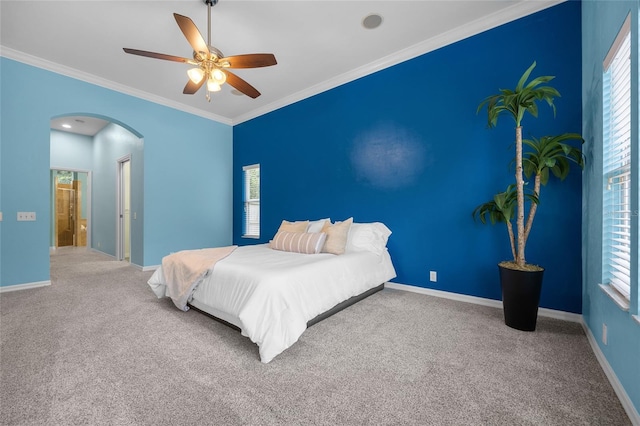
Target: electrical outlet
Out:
[604,334]
[433,276]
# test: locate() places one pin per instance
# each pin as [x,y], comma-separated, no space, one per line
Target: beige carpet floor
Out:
[97,348]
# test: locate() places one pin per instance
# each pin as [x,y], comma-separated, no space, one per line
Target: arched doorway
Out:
[96,145]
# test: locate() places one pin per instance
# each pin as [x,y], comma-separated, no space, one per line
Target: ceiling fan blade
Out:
[241,85]
[192,87]
[255,60]
[157,55]
[192,34]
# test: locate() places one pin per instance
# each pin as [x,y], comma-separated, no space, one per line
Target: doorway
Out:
[102,145]
[123,191]
[70,199]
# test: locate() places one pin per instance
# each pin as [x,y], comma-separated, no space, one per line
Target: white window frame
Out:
[250,206]
[618,222]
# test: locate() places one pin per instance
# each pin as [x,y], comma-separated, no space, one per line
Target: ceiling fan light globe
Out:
[195,75]
[218,76]
[212,86]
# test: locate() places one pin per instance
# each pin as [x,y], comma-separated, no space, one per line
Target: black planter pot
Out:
[520,297]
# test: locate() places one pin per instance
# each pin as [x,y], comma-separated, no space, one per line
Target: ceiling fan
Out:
[210,65]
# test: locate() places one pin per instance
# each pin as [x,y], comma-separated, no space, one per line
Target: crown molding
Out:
[478,26]
[25,58]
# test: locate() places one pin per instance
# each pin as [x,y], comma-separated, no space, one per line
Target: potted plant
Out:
[520,281]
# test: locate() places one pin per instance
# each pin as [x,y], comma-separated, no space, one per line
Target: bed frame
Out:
[322,316]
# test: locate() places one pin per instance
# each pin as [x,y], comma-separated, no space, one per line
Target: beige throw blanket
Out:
[184,270]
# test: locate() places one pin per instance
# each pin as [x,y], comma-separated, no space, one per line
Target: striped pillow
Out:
[299,242]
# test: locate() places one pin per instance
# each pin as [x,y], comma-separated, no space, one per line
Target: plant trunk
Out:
[511,239]
[520,260]
[534,207]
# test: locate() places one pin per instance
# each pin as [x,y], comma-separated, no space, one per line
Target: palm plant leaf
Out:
[551,153]
[521,100]
[525,77]
[502,207]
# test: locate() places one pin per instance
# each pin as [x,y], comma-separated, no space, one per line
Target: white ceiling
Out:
[318,44]
[79,124]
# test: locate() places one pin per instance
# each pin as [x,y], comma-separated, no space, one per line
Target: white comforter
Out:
[273,294]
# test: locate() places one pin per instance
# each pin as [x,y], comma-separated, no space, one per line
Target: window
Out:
[617,208]
[251,197]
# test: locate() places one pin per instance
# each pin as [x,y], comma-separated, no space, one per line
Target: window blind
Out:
[617,164]
[251,198]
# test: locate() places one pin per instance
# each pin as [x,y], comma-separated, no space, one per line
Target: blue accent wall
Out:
[405,146]
[601,23]
[187,173]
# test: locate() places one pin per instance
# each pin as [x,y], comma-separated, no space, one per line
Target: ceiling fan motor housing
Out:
[214,51]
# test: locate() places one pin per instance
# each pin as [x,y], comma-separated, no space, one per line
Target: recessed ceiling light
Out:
[66,126]
[372,21]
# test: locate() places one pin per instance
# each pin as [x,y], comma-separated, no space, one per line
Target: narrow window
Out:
[616,226]
[251,196]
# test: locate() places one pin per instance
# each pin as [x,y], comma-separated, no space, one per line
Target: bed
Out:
[272,295]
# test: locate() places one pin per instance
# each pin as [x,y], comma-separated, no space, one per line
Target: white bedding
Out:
[271,294]
[184,270]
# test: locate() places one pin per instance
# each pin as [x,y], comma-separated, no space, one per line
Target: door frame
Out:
[87,197]
[120,250]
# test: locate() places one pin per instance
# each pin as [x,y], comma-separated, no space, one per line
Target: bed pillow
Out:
[299,226]
[371,237]
[298,242]
[316,225]
[336,236]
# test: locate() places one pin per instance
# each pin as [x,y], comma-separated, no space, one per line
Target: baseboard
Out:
[145,268]
[150,268]
[26,286]
[544,312]
[101,252]
[613,379]
[137,267]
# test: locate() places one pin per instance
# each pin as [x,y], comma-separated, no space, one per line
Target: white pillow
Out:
[371,237]
[316,225]
[298,242]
